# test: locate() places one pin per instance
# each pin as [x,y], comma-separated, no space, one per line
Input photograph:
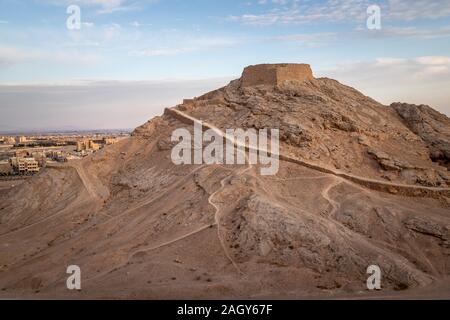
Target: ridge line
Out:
[377,185]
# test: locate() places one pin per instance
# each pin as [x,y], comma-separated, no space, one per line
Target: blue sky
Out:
[159,40]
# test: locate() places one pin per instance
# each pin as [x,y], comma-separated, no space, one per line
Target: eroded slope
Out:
[141,227]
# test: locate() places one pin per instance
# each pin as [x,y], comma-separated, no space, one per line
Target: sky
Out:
[130,59]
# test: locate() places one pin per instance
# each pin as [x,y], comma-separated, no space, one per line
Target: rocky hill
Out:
[359,184]
[430,125]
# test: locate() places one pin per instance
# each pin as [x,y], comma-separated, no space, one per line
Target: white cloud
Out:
[10,55]
[386,62]
[408,10]
[138,24]
[302,12]
[187,45]
[310,40]
[104,6]
[424,79]
[409,32]
[393,69]
[296,12]
[111,31]
[434,60]
[162,52]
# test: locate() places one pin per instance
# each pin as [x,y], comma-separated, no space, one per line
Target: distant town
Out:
[26,155]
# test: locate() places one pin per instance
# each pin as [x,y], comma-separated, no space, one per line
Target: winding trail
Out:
[98,193]
[145,202]
[149,249]
[168,243]
[217,214]
[377,185]
[190,234]
[94,187]
[298,178]
[87,185]
[159,196]
[60,213]
[340,177]
[326,194]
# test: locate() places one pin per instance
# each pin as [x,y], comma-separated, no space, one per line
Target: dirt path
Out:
[168,243]
[95,189]
[89,188]
[326,194]
[153,248]
[159,196]
[37,223]
[190,234]
[338,179]
[378,185]
[217,214]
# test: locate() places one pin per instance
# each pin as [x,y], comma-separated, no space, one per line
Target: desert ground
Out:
[359,184]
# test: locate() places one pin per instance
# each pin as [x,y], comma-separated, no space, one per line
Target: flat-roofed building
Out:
[21,153]
[94,146]
[83,145]
[40,157]
[24,165]
[109,141]
[57,156]
[10,141]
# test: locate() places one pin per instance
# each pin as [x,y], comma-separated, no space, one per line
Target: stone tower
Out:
[275,74]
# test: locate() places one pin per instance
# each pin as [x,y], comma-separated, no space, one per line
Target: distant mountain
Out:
[62,131]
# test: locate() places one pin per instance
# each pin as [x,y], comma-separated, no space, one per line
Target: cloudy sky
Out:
[132,58]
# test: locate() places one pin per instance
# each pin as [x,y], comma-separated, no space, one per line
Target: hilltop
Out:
[359,184]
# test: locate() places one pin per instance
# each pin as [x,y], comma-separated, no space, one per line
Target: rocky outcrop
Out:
[387,162]
[220,231]
[149,128]
[430,228]
[432,126]
[325,122]
[405,190]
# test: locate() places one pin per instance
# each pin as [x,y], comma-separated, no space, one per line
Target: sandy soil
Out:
[140,227]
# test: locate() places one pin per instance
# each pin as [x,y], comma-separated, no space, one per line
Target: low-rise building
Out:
[40,157]
[57,156]
[109,141]
[85,145]
[24,165]
[10,141]
[21,153]
[94,146]
[81,145]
